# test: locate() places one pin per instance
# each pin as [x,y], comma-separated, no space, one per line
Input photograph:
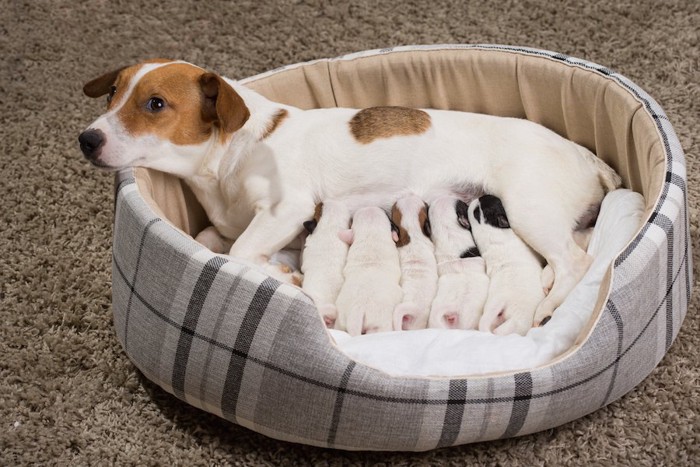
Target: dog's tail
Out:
[609,179]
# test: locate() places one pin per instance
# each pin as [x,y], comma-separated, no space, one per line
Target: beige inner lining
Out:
[579,104]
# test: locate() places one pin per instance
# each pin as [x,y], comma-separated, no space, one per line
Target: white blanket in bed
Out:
[447,352]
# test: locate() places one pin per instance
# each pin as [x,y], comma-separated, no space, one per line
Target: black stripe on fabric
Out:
[132,284]
[521,404]
[244,339]
[221,315]
[620,334]
[401,400]
[339,398]
[669,280]
[454,412]
[189,322]
[123,183]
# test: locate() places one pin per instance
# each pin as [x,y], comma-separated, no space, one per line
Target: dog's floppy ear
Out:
[222,105]
[102,84]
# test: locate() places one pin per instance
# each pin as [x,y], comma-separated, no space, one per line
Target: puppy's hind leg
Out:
[550,233]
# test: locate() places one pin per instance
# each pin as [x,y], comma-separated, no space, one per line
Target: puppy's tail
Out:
[609,179]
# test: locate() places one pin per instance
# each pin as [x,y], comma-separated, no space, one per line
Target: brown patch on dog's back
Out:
[373,123]
[396,217]
[277,119]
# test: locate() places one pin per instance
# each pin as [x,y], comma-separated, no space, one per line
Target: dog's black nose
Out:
[91,141]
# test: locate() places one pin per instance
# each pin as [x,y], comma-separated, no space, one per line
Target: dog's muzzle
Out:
[91,142]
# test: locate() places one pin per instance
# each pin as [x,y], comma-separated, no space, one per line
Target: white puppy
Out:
[371,289]
[418,267]
[514,270]
[324,255]
[462,283]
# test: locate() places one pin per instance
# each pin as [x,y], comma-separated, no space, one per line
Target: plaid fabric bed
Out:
[232,341]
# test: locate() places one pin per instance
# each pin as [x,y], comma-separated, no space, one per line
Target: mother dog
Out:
[259,167]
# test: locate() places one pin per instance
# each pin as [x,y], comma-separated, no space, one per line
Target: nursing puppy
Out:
[371,289]
[418,267]
[514,270]
[323,257]
[259,167]
[463,283]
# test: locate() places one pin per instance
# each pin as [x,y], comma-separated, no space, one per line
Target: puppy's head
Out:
[161,114]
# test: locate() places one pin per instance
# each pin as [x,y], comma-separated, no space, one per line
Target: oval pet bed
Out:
[228,339]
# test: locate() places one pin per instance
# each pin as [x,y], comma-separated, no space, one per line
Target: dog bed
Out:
[226,338]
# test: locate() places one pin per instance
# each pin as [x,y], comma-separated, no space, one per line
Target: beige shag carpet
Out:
[69,395]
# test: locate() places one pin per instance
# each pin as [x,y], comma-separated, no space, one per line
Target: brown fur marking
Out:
[373,123]
[423,219]
[396,217]
[318,212]
[277,119]
[181,120]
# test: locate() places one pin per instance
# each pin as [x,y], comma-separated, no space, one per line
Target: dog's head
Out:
[161,114]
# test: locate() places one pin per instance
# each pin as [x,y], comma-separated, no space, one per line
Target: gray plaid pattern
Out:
[232,341]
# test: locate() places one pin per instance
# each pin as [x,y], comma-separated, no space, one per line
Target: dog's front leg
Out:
[271,230]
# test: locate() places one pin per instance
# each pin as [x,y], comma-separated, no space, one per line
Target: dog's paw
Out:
[547,279]
[543,313]
[284,273]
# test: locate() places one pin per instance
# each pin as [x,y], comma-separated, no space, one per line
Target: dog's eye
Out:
[155,104]
[112,92]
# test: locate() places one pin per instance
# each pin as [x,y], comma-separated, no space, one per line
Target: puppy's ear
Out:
[310,226]
[463,214]
[398,233]
[494,212]
[102,84]
[222,105]
[425,222]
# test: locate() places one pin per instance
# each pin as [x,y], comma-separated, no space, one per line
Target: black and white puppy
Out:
[514,270]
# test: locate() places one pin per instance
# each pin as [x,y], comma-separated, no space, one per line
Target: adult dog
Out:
[259,167]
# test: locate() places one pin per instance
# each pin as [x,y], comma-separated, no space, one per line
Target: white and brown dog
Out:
[419,274]
[323,257]
[514,270]
[372,273]
[259,167]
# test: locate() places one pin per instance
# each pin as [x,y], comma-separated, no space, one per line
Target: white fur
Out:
[418,268]
[514,271]
[462,283]
[323,259]
[260,190]
[371,289]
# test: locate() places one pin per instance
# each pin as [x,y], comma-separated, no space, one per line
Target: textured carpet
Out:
[68,394]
